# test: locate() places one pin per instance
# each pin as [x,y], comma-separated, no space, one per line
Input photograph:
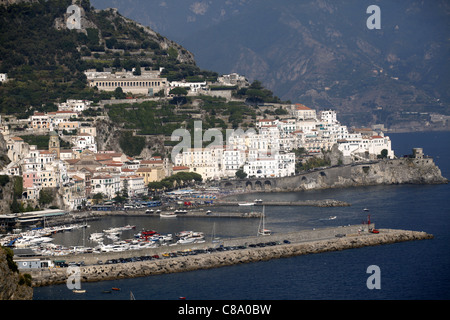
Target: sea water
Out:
[408,271]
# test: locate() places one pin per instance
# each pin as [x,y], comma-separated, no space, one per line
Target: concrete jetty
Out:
[232,251]
[312,203]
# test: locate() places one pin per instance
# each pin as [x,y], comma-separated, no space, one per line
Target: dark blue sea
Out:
[417,270]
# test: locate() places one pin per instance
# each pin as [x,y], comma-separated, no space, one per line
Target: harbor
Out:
[148,262]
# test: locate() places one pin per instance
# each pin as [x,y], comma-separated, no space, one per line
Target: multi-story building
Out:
[233,160]
[148,83]
[84,141]
[74,105]
[134,185]
[106,184]
[150,174]
[203,161]
[302,112]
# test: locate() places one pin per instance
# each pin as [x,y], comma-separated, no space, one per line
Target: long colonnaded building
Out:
[148,83]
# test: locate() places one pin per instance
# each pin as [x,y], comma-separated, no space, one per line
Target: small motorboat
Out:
[167,215]
[246,204]
[78,291]
[115,289]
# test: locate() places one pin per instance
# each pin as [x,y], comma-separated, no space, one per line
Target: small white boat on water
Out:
[246,204]
[167,215]
[78,291]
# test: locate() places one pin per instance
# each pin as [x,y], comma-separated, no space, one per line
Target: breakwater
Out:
[231,252]
[311,203]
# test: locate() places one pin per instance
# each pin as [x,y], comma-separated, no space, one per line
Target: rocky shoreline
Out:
[91,273]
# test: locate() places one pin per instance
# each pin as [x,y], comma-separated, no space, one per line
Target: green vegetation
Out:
[4,179]
[311,163]
[256,94]
[131,145]
[45,64]
[42,141]
[241,174]
[179,179]
[383,154]
[45,197]
[10,259]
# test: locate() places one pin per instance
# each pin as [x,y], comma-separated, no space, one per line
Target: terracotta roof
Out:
[144,170]
[72,161]
[180,168]
[300,106]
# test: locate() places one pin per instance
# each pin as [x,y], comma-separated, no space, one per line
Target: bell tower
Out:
[53,144]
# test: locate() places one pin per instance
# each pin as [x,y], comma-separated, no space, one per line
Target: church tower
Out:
[53,144]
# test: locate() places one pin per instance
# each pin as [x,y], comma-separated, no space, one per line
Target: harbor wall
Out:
[325,240]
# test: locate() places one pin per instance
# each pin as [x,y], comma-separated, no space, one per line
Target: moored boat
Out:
[262,231]
[78,291]
[167,215]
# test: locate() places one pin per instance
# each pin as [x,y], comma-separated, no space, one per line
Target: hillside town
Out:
[272,148]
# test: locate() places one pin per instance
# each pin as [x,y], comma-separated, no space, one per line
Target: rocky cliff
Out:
[13,285]
[399,171]
[395,171]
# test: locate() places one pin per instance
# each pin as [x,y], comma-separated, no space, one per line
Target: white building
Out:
[302,112]
[203,161]
[190,86]
[106,184]
[362,147]
[274,166]
[233,160]
[134,185]
[84,141]
[74,105]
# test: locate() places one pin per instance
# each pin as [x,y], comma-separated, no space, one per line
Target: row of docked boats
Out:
[36,236]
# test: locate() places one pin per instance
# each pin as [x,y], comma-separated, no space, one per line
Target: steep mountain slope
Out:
[45,60]
[319,52]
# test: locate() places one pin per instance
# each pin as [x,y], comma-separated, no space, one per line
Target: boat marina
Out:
[206,255]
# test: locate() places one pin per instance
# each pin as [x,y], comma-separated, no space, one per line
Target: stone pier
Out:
[298,243]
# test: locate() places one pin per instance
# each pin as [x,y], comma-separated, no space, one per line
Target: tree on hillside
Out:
[119,94]
[180,94]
